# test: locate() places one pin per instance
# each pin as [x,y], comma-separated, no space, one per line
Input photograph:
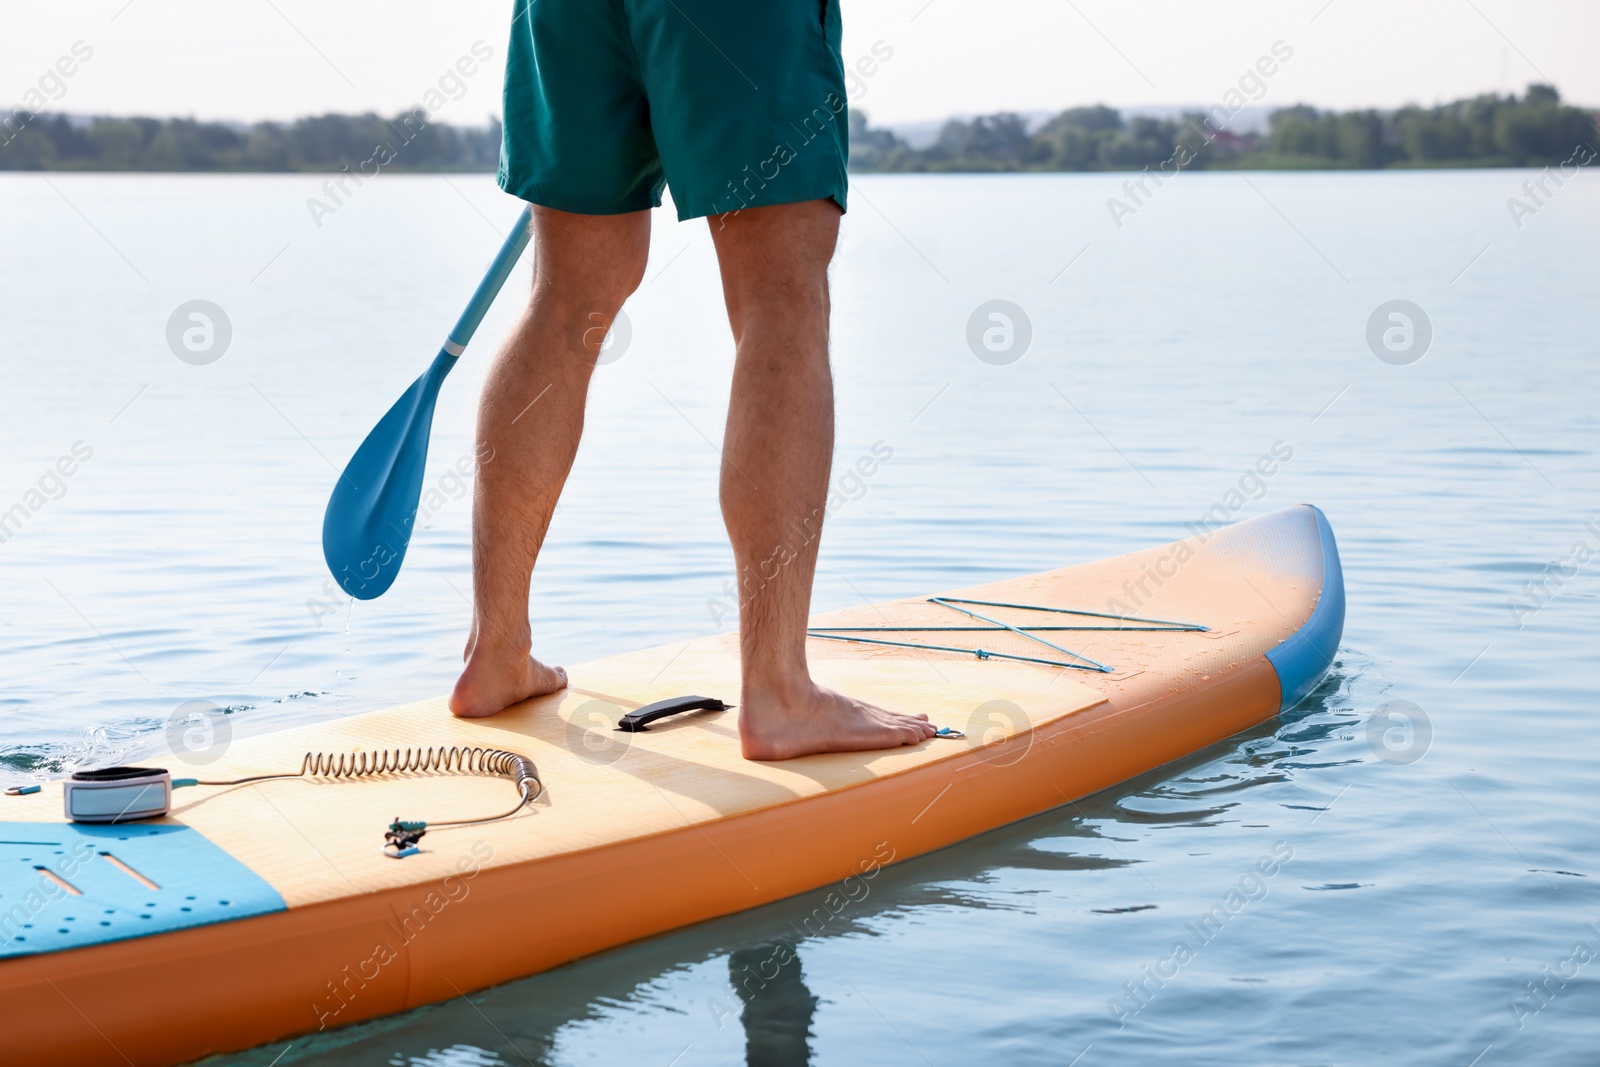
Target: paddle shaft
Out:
[489,288]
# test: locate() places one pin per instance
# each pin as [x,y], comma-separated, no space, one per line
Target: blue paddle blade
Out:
[370,515]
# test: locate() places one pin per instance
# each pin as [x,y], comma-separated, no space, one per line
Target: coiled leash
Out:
[127,794]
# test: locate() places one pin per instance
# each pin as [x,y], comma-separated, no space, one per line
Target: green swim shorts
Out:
[730,103]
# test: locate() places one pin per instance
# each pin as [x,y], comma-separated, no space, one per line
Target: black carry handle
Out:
[638,721]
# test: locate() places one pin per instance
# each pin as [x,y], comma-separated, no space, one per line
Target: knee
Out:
[785,300]
[600,286]
[617,277]
[583,303]
[630,275]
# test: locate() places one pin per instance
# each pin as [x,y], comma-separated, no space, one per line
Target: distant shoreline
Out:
[1483,132]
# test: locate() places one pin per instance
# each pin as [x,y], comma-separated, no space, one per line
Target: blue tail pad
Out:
[111,869]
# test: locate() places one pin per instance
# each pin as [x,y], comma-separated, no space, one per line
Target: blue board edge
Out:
[1303,658]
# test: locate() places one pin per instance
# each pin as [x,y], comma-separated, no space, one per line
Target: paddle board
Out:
[256,912]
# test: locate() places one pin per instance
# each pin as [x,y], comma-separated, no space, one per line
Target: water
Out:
[181,562]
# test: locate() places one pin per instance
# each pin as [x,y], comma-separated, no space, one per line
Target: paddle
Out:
[368,524]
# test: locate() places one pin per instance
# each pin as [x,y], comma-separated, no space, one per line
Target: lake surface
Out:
[1436,865]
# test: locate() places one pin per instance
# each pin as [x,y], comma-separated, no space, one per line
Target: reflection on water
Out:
[454,1056]
[778,1008]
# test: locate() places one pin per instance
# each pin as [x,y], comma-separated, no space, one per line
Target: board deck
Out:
[639,833]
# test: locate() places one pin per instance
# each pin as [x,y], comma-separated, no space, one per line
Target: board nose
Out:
[1305,656]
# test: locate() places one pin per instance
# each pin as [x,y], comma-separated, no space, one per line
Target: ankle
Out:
[786,685]
[497,647]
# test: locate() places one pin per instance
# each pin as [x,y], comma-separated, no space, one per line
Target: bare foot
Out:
[813,719]
[493,681]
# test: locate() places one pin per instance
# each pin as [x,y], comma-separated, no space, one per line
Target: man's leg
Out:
[776,455]
[529,423]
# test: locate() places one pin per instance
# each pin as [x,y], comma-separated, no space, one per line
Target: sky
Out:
[278,59]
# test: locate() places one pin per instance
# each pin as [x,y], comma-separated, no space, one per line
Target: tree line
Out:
[407,142]
[1484,131]
[1535,129]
